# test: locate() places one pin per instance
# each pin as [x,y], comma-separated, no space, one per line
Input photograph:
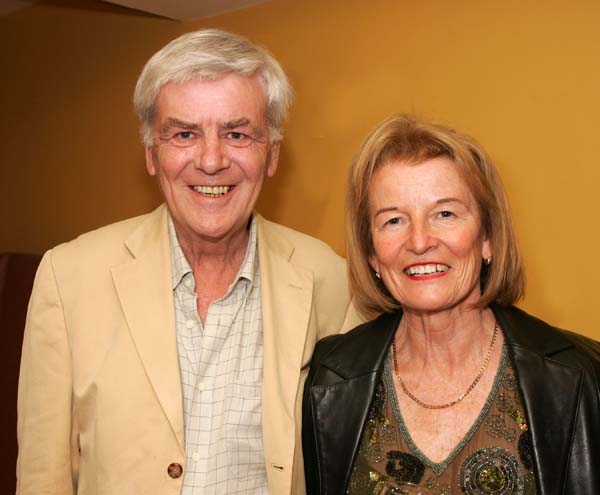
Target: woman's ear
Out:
[486,249]
[374,262]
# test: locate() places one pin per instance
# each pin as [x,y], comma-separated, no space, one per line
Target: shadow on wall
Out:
[17,271]
[283,199]
[92,5]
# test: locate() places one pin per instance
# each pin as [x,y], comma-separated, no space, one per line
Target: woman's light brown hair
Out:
[404,138]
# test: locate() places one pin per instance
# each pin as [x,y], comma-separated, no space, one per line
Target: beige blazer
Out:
[100,401]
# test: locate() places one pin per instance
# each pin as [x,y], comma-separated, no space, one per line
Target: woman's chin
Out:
[425,305]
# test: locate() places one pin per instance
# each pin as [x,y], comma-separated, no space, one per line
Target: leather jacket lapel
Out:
[339,418]
[551,414]
[341,402]
[550,391]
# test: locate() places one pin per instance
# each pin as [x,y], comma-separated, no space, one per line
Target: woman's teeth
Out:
[426,269]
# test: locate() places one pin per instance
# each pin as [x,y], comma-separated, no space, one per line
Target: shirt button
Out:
[175,470]
[189,324]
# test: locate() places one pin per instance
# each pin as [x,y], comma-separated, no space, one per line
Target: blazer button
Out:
[175,470]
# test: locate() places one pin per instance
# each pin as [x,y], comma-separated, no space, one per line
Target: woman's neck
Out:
[449,337]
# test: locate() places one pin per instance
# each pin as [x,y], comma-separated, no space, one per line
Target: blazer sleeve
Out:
[44,426]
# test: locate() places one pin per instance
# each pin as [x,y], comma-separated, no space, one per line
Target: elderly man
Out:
[166,354]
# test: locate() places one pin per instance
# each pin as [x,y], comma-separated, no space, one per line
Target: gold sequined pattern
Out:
[506,405]
[496,427]
[364,482]
[379,428]
[494,458]
[491,471]
[510,382]
[530,486]
[434,486]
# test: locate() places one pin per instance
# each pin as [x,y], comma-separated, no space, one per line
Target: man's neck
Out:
[214,264]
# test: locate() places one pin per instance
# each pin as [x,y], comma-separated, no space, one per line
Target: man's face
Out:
[211,153]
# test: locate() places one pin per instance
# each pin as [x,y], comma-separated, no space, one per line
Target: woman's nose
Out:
[420,238]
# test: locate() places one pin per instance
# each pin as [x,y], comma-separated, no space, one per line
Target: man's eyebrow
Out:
[233,124]
[173,122]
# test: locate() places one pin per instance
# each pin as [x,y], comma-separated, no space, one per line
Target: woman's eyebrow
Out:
[442,201]
[386,210]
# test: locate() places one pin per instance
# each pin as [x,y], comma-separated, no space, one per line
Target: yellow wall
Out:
[521,76]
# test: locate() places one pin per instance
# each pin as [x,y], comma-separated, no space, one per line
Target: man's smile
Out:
[212,191]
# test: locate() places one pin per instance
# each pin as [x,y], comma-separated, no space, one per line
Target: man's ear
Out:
[150,160]
[273,159]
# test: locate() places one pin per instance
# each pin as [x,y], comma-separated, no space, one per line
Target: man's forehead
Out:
[232,82]
[229,100]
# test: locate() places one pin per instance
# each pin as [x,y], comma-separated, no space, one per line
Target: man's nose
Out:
[211,155]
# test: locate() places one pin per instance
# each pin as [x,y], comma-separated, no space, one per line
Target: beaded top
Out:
[494,457]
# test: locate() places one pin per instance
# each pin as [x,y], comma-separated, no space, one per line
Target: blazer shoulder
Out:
[99,248]
[114,233]
[303,248]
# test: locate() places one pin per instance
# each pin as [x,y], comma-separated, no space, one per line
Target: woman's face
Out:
[427,235]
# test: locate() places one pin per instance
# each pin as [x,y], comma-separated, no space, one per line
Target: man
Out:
[166,354]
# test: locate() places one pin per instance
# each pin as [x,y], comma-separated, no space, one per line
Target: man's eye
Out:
[182,139]
[238,136]
[238,139]
[446,214]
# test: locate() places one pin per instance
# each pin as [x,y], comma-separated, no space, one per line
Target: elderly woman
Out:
[451,389]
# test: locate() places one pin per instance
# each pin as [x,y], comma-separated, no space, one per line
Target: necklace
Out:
[486,361]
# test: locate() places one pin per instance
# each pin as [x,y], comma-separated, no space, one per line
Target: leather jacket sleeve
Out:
[309,442]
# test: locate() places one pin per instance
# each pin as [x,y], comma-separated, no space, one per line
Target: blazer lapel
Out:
[551,415]
[286,293]
[144,289]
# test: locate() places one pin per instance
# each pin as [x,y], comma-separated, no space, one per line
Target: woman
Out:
[451,389]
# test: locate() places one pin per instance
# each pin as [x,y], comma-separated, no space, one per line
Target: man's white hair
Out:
[211,54]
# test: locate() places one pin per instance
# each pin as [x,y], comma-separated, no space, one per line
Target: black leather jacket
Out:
[558,374]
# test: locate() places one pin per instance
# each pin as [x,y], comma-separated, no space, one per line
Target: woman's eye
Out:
[393,221]
[446,214]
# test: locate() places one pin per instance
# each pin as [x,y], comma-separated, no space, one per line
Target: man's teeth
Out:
[213,191]
[426,269]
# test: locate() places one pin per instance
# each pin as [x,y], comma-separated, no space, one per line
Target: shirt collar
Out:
[180,266]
